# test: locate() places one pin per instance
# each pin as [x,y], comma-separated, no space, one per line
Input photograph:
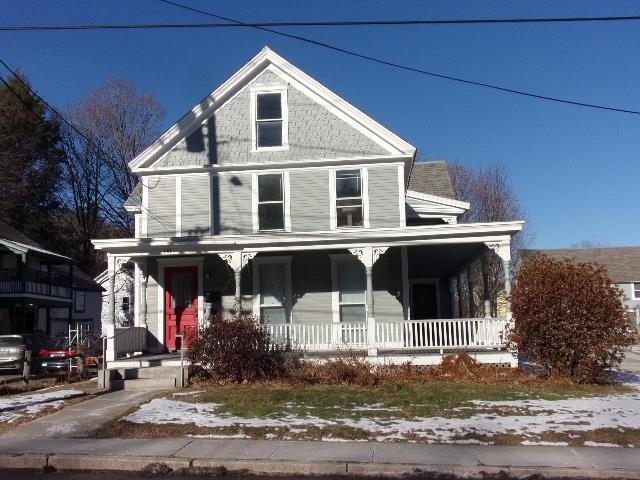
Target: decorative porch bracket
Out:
[237,260]
[368,256]
[503,250]
[144,280]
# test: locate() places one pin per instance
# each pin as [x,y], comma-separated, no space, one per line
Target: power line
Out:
[345,23]
[406,67]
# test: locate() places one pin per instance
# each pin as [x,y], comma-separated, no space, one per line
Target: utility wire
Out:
[406,67]
[346,23]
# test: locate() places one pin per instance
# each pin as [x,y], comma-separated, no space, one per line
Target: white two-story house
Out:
[275,196]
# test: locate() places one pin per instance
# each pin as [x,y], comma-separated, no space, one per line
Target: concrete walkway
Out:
[323,458]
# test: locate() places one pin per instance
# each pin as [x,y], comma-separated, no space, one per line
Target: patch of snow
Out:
[589,443]
[547,444]
[17,407]
[187,394]
[526,418]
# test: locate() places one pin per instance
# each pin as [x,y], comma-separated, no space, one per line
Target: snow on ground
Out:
[526,418]
[17,407]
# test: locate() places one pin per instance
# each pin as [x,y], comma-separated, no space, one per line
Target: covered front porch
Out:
[391,297]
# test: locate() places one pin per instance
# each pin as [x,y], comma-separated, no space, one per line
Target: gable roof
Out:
[431,178]
[622,263]
[18,242]
[268,59]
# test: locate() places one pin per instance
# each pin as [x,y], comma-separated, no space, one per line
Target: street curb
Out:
[88,462]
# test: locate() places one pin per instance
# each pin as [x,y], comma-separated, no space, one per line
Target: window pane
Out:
[269,106]
[272,285]
[182,291]
[273,315]
[270,216]
[270,134]
[270,188]
[349,217]
[351,282]
[352,313]
[348,183]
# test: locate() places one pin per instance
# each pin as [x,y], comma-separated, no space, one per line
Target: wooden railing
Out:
[320,336]
[29,280]
[441,333]
[403,334]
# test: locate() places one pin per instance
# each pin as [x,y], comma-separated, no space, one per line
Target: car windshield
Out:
[57,343]
[10,341]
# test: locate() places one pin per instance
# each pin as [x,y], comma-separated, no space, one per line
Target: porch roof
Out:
[347,238]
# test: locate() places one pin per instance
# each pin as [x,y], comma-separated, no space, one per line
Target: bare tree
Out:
[116,123]
[492,199]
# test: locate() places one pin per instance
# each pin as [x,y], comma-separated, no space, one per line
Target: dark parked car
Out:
[12,348]
[56,355]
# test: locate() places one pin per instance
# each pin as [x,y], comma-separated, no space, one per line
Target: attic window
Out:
[269,112]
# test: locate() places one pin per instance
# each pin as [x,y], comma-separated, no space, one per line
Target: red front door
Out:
[181,303]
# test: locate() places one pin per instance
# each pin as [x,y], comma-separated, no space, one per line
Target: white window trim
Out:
[286,194]
[279,260]
[255,91]
[163,263]
[424,281]
[364,176]
[633,291]
[337,259]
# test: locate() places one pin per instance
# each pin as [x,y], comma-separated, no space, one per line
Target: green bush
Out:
[236,349]
[569,318]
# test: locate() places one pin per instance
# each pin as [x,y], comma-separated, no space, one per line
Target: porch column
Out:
[472,300]
[485,287]
[237,260]
[144,279]
[459,292]
[503,250]
[368,257]
[110,326]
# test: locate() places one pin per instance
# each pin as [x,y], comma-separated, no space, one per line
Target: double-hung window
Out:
[349,298]
[272,291]
[271,212]
[269,117]
[349,194]
[635,294]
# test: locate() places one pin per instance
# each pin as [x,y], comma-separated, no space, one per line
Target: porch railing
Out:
[37,282]
[401,334]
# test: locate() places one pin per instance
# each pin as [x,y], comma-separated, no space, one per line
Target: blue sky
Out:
[575,169]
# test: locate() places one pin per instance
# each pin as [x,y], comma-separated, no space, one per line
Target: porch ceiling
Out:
[458,234]
[442,260]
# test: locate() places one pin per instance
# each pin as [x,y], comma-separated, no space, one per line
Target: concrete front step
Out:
[144,384]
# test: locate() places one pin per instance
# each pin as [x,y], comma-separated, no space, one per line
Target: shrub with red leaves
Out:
[236,349]
[569,318]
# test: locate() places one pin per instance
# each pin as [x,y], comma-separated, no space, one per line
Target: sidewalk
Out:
[321,458]
[59,441]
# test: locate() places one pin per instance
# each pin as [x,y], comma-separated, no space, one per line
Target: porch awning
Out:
[339,239]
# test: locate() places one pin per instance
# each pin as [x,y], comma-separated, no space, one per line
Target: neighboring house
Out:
[41,290]
[123,295]
[277,197]
[622,264]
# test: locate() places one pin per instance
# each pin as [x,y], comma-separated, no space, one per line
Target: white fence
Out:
[403,334]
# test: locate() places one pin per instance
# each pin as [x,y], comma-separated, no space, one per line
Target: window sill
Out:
[269,149]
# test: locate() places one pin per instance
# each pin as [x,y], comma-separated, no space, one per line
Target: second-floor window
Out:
[349,206]
[270,202]
[79,301]
[636,291]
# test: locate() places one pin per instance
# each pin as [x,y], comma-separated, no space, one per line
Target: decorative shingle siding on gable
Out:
[314,133]
[384,208]
[161,214]
[309,200]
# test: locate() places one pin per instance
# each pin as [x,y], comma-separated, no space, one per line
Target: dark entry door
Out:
[181,303]
[424,303]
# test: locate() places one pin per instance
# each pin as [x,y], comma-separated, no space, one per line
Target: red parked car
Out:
[57,355]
